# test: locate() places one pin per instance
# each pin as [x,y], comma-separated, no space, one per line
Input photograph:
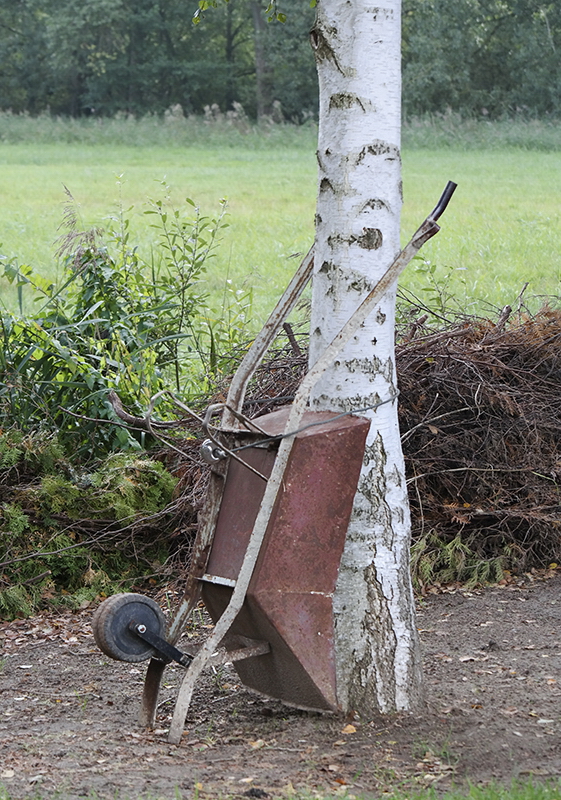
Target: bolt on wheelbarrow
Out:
[270,537]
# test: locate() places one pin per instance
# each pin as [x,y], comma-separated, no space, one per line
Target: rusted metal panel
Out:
[243,492]
[289,600]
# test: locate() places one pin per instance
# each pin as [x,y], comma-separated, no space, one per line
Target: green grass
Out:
[270,197]
[501,230]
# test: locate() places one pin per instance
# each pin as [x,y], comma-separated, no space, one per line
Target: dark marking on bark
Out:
[370,239]
[345,100]
[327,268]
[375,366]
[323,51]
[372,486]
[386,13]
[380,317]
[326,185]
[318,220]
[374,673]
[348,280]
[333,241]
[338,403]
[379,148]
[360,285]
[375,205]
[372,366]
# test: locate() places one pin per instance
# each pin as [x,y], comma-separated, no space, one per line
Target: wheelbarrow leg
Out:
[152,682]
[191,595]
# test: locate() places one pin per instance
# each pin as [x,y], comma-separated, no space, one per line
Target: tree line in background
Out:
[101,57]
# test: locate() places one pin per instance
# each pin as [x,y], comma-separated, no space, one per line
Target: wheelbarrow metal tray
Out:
[289,599]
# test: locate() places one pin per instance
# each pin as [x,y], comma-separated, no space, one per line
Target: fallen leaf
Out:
[257,744]
[7,773]
[349,729]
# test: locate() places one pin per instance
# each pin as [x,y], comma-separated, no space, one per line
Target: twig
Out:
[503,317]
[426,422]
[466,469]
[292,338]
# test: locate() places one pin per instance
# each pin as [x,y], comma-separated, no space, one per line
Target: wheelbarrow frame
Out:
[232,421]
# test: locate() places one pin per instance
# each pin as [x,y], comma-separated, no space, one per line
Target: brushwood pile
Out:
[480,419]
[480,416]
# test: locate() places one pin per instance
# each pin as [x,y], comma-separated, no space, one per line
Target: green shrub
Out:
[115,323]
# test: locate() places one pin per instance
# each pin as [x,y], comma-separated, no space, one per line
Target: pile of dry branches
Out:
[480,415]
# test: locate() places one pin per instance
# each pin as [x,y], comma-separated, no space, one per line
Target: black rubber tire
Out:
[110,625]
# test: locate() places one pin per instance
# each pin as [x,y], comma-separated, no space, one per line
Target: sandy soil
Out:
[68,714]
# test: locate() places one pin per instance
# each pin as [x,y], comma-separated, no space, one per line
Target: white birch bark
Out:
[357,48]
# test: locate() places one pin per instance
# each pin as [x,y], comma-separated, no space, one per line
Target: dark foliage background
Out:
[101,57]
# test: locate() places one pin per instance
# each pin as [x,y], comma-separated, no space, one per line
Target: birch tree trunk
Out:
[357,49]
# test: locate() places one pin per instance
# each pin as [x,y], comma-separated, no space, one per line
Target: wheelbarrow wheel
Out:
[112,631]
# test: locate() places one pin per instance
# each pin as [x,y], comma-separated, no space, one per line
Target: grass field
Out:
[502,229]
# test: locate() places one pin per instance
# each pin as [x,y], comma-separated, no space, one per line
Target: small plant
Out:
[434,560]
[116,323]
[438,290]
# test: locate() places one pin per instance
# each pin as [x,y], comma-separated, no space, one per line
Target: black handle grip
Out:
[440,207]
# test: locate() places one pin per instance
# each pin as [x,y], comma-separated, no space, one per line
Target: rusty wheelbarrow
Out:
[270,537]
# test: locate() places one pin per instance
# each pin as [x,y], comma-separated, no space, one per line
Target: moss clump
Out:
[67,536]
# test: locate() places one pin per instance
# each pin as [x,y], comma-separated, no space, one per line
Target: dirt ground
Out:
[68,714]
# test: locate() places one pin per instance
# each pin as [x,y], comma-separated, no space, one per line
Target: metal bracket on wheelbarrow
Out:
[274,522]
